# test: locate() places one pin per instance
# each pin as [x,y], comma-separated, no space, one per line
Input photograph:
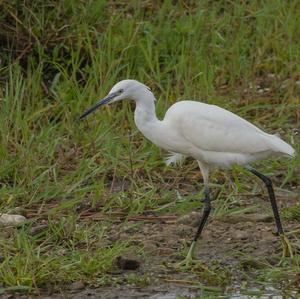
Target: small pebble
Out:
[11,220]
[191,219]
[242,235]
[77,285]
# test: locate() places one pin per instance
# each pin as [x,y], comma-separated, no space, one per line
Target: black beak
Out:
[103,101]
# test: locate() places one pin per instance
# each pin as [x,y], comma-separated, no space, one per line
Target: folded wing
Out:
[212,128]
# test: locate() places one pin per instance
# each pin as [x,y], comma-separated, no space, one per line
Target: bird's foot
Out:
[287,250]
[187,263]
[189,260]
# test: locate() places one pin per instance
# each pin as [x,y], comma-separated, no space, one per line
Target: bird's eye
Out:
[121,90]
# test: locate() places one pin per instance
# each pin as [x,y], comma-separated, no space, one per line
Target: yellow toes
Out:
[189,259]
[287,250]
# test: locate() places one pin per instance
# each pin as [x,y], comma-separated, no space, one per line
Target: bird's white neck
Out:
[145,116]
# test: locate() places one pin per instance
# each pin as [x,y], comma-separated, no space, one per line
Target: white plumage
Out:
[174,158]
[208,133]
[218,137]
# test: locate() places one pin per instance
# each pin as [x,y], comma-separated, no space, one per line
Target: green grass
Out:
[60,57]
[63,251]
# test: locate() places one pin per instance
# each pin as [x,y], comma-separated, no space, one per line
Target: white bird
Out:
[212,135]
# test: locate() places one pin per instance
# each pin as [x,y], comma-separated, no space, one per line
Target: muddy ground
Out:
[229,251]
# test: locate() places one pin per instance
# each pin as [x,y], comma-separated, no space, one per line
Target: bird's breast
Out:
[164,136]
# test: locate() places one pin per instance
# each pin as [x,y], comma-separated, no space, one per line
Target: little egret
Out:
[211,135]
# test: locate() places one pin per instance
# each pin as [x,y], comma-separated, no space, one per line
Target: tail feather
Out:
[282,147]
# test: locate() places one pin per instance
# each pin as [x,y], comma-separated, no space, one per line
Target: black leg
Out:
[287,249]
[206,212]
[272,198]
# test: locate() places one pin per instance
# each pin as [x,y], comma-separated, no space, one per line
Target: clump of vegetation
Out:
[58,253]
[292,212]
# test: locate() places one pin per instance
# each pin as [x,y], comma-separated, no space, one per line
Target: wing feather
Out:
[215,129]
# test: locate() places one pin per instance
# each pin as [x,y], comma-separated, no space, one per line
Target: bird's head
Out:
[125,89]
